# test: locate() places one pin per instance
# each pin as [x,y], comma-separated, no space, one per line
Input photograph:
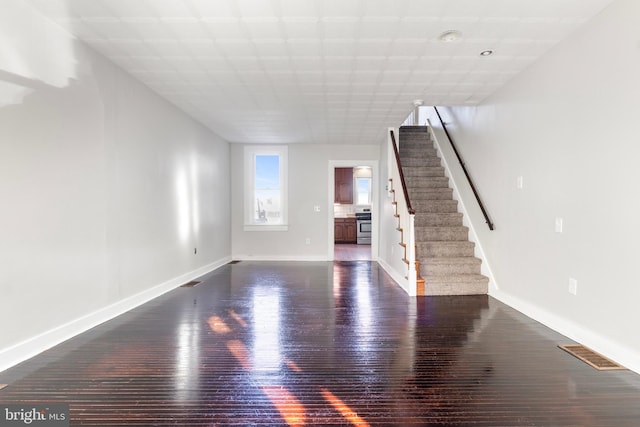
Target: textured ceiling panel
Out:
[318,71]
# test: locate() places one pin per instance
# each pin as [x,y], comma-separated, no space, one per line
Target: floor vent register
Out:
[190,284]
[591,358]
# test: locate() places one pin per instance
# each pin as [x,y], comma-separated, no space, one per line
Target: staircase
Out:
[446,256]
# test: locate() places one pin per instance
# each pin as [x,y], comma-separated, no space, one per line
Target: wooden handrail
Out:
[464,169]
[404,185]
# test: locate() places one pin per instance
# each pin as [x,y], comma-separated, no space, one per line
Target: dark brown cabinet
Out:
[344,230]
[344,186]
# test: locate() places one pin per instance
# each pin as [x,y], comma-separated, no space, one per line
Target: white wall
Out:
[308,186]
[568,126]
[106,188]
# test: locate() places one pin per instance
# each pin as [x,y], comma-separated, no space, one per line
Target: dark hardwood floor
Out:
[351,252]
[320,343]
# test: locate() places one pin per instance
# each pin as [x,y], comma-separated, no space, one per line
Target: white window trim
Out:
[250,153]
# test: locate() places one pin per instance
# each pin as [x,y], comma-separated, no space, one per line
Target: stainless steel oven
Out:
[363,227]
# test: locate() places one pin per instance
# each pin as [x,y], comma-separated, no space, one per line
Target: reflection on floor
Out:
[320,344]
[349,252]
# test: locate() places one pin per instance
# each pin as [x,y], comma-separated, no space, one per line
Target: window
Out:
[363,191]
[265,188]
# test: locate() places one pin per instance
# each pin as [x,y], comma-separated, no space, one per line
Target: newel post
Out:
[411,257]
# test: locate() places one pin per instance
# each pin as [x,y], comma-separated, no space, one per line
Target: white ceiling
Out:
[318,71]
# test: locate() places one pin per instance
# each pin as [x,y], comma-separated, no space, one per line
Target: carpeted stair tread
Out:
[428,194]
[426,171]
[435,205]
[434,249]
[449,266]
[446,256]
[415,142]
[421,152]
[425,161]
[415,137]
[441,233]
[418,152]
[412,145]
[438,219]
[427,181]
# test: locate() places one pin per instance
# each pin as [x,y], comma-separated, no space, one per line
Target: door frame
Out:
[375,189]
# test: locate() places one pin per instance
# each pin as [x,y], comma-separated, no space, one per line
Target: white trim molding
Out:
[601,344]
[375,201]
[33,346]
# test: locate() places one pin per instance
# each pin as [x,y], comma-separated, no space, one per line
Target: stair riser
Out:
[427,182]
[418,195]
[414,128]
[444,249]
[438,220]
[440,289]
[434,206]
[415,145]
[415,135]
[428,162]
[420,153]
[425,137]
[443,270]
[426,234]
[423,171]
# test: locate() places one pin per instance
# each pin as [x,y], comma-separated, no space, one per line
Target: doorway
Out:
[364,199]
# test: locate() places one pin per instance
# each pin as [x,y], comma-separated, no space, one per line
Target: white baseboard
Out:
[281,258]
[398,278]
[35,345]
[603,345]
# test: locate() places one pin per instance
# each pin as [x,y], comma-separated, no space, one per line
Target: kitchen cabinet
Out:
[343,186]
[344,230]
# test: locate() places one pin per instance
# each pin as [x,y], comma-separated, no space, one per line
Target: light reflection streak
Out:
[348,413]
[240,352]
[182,205]
[336,283]
[187,201]
[292,365]
[40,51]
[187,359]
[289,407]
[266,355]
[11,93]
[365,310]
[194,196]
[237,318]
[365,319]
[218,325]
[266,338]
